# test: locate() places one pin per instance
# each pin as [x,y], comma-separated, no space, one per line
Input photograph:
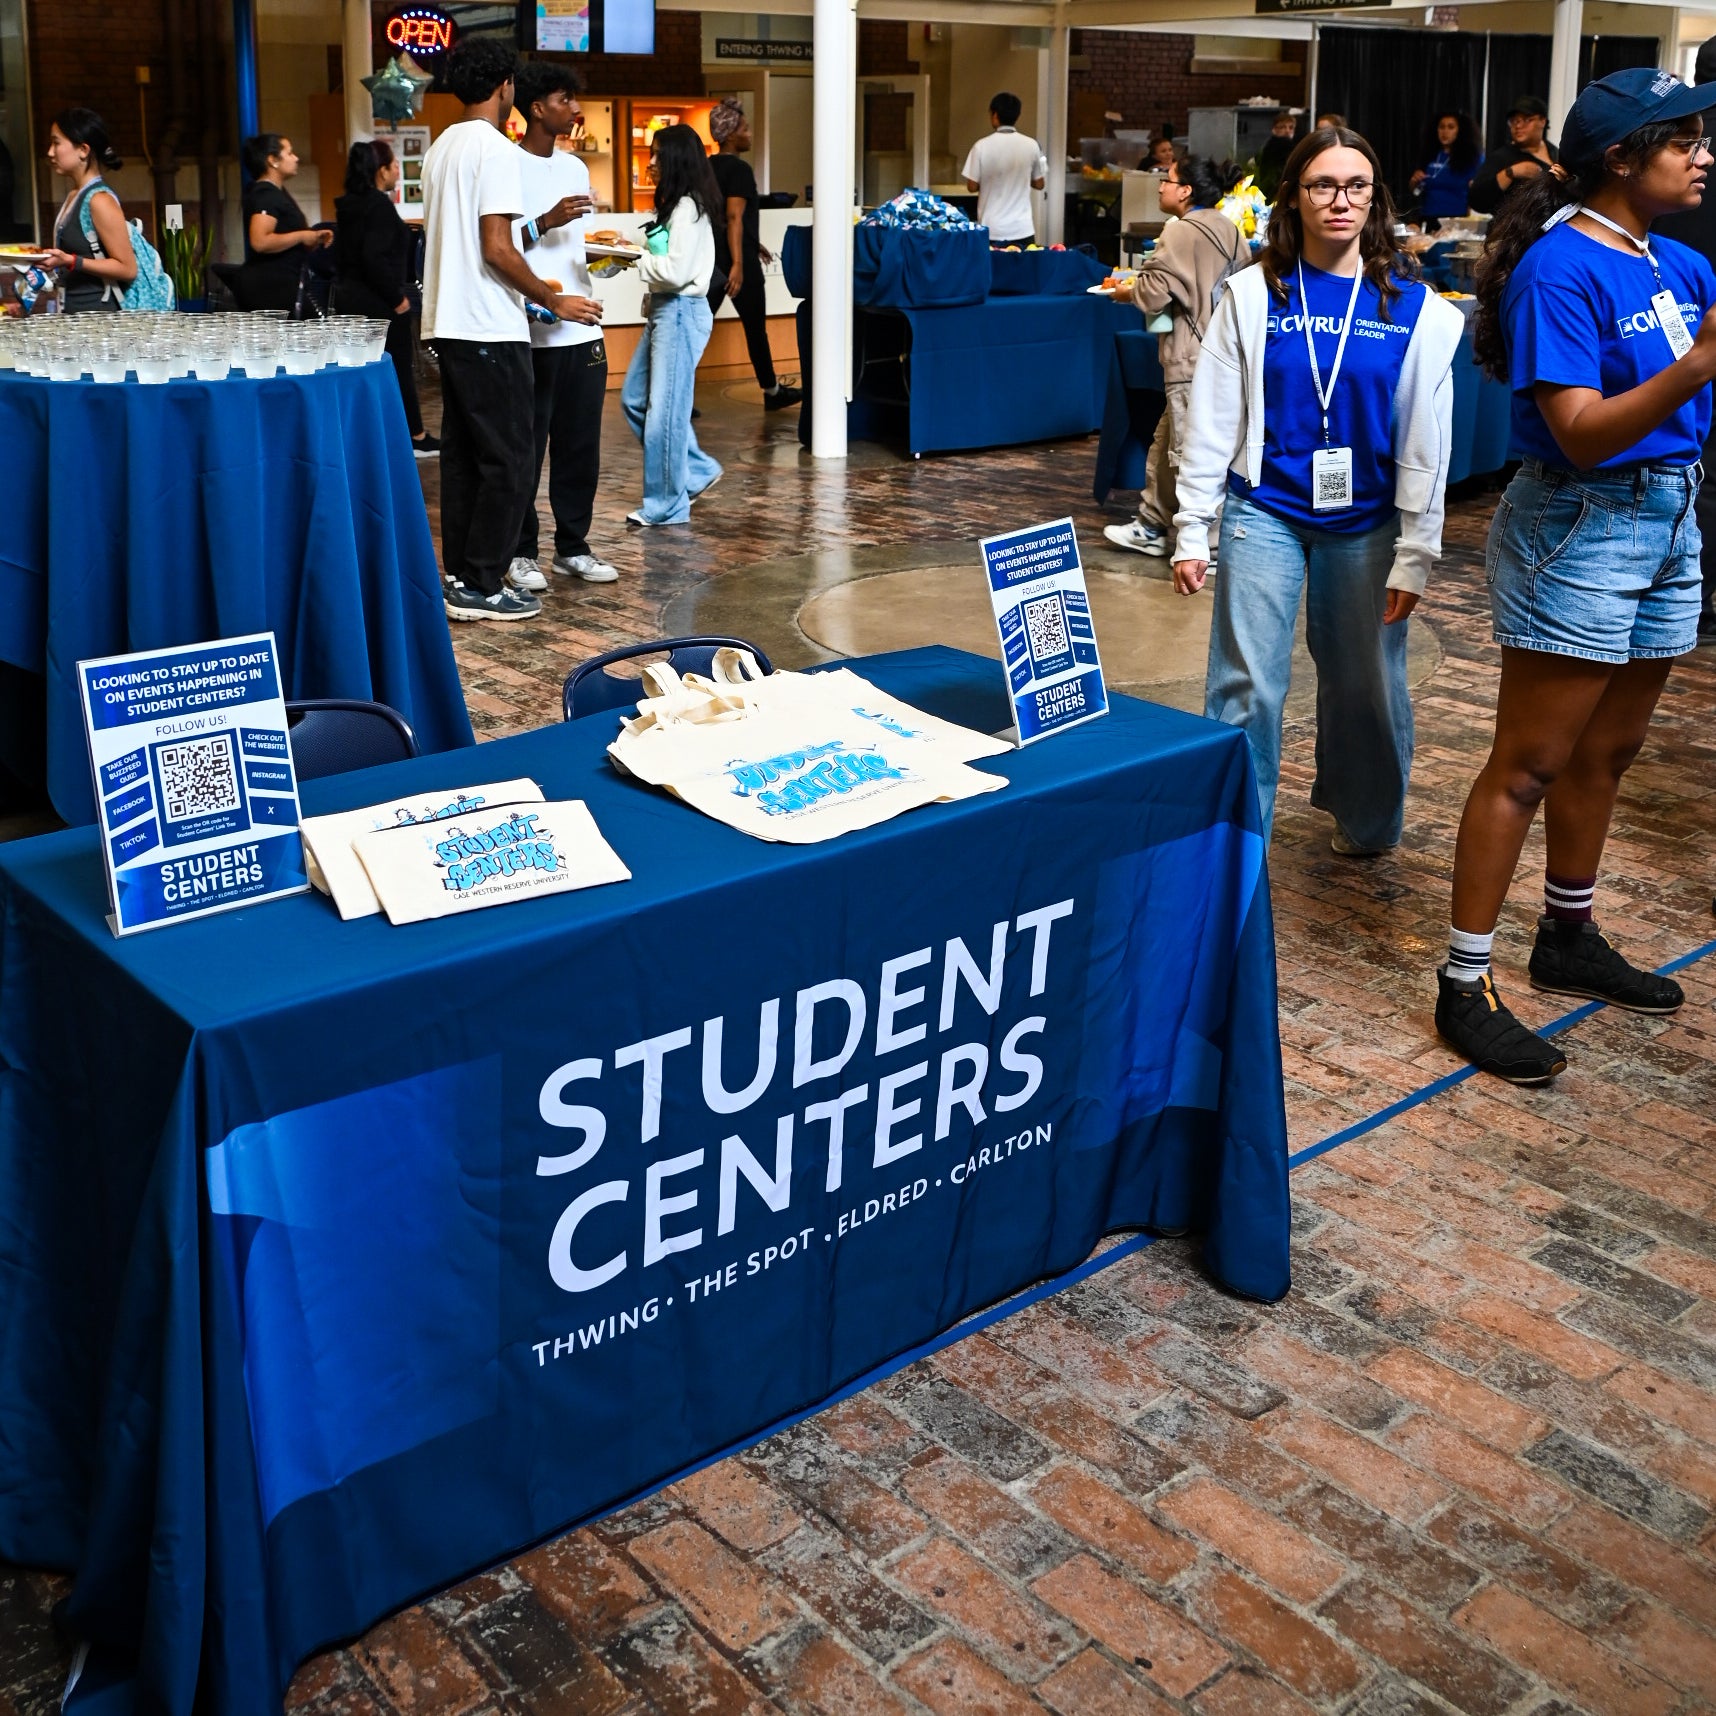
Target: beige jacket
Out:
[1180,274]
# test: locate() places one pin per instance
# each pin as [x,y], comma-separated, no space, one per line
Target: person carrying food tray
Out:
[1177,287]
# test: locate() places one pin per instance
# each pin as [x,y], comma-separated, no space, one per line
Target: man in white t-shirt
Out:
[475,285]
[1004,168]
[569,358]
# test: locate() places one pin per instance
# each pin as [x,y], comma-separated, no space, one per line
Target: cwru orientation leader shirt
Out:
[1578,314]
[1361,413]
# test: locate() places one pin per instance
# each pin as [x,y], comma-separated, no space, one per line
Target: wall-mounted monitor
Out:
[595,26]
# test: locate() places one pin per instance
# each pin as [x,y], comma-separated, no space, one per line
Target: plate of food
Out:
[607,242]
[1117,285]
[21,255]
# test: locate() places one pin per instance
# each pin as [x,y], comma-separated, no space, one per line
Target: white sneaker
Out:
[700,493]
[525,574]
[1140,538]
[587,567]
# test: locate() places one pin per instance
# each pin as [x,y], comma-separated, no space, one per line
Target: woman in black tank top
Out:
[96,274]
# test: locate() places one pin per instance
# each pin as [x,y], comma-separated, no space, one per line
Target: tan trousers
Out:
[1159,501]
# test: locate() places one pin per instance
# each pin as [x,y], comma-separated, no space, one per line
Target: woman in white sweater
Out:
[1321,413]
[660,383]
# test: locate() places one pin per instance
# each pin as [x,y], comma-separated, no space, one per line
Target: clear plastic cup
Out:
[297,355]
[151,359]
[107,358]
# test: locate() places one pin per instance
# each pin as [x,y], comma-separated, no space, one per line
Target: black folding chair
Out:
[334,735]
[590,689]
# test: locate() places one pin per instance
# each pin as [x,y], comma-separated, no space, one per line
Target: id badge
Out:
[1331,479]
[1669,319]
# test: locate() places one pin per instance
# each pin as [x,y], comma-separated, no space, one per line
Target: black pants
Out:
[402,348]
[750,301]
[485,457]
[571,387]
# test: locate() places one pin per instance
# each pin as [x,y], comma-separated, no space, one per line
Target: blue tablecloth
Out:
[139,517]
[901,267]
[993,374]
[340,1259]
[1036,273]
[1131,410]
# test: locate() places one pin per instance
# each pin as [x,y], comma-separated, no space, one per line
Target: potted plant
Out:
[185,256]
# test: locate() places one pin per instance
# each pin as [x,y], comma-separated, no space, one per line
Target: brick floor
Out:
[1469,1464]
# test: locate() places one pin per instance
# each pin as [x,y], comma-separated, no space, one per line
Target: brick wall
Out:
[83,53]
[884,48]
[1148,79]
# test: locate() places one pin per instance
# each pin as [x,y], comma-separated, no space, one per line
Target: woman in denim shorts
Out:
[1593,555]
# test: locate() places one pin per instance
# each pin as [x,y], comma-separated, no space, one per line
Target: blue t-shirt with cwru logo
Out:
[1577,313]
[1361,413]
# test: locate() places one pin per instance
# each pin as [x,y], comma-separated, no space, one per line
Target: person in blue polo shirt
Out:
[1321,412]
[1606,337]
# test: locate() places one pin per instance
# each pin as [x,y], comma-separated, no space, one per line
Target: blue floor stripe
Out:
[982,1320]
[1447,1082]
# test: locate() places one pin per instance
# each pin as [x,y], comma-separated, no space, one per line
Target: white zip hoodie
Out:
[1225,424]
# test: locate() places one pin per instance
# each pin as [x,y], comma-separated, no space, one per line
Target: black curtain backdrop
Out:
[1390,84]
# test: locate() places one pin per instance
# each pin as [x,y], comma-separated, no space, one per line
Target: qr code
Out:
[1046,626]
[1331,488]
[198,778]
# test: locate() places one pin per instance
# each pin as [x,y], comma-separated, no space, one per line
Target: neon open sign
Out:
[420,31]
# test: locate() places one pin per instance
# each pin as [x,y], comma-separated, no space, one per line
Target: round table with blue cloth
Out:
[140,517]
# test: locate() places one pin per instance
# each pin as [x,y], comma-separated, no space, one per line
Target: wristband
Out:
[531,227]
[77,265]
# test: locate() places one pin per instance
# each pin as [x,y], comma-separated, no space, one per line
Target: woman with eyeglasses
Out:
[1606,336]
[1181,280]
[1320,422]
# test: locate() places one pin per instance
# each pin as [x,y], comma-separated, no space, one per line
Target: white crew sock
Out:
[1469,955]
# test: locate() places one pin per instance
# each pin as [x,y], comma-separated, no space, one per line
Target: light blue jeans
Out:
[1364,713]
[657,398]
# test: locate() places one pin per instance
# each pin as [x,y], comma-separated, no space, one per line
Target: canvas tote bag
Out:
[793,763]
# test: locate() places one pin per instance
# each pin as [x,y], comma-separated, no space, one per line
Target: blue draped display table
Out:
[1041,272]
[341,1260]
[1130,412]
[995,374]
[139,517]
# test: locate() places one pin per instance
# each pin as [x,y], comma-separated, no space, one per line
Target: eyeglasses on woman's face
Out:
[1692,147]
[1321,193]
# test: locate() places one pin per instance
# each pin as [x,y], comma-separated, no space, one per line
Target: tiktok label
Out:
[1042,613]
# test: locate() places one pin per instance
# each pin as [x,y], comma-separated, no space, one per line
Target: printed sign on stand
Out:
[193,774]
[1048,645]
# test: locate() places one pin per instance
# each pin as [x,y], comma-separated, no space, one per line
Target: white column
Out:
[1564,61]
[834,95]
[1055,128]
[358,64]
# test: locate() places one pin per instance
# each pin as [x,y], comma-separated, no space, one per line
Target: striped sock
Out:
[1569,897]
[1468,955]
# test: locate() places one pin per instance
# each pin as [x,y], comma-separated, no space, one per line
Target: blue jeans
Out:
[657,400]
[1600,565]
[1364,714]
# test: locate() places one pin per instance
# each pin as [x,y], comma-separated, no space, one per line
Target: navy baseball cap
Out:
[1617,105]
